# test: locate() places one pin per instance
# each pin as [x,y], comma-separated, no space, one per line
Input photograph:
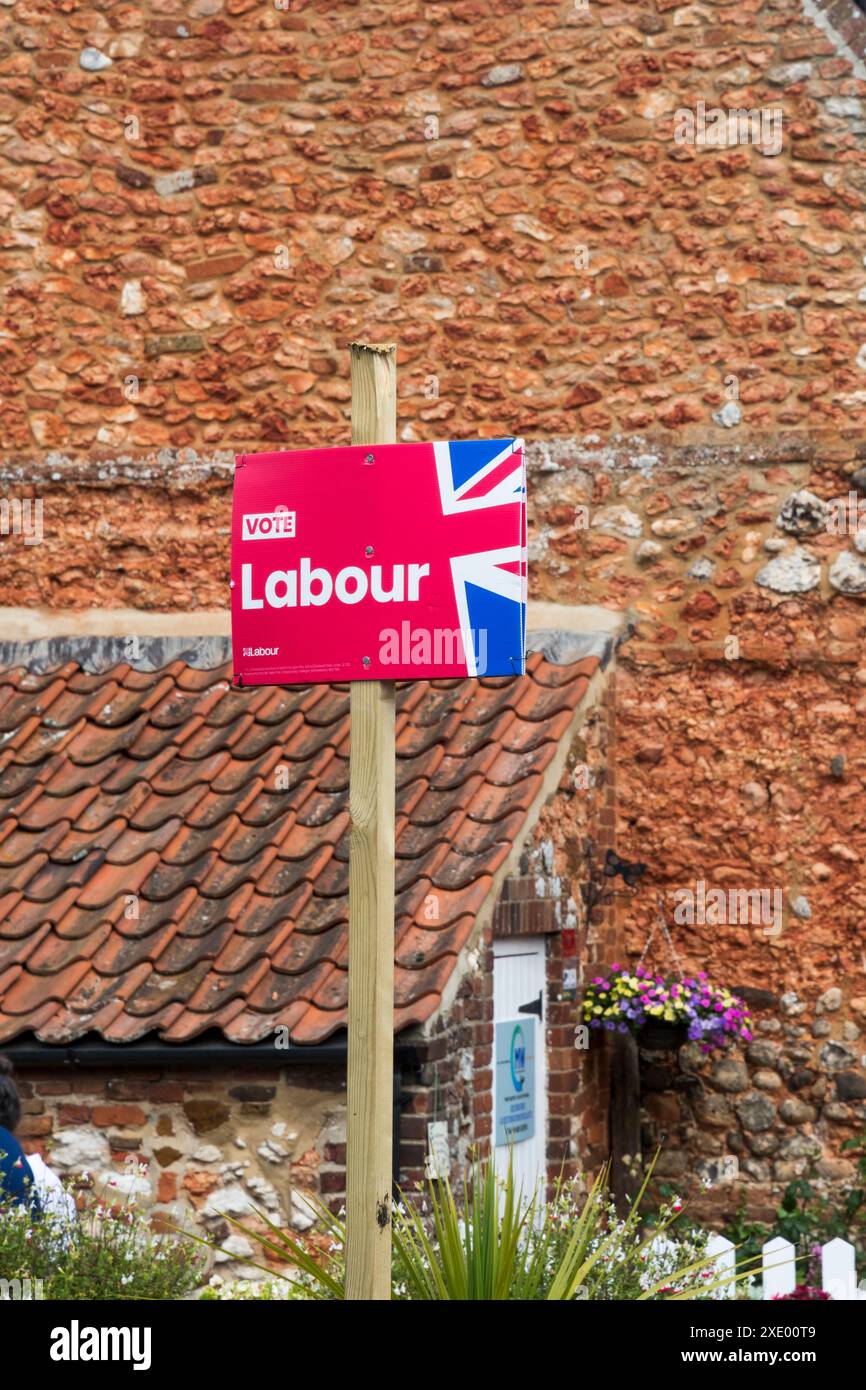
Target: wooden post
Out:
[371,906]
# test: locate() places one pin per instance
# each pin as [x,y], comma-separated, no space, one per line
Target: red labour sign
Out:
[385,562]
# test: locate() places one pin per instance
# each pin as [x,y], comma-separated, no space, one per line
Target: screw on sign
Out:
[372,563]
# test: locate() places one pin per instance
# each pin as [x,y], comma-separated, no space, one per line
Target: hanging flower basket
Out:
[663,1013]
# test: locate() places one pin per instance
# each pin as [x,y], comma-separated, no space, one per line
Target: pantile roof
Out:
[174,851]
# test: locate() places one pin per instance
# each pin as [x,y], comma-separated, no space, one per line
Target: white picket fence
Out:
[780,1274]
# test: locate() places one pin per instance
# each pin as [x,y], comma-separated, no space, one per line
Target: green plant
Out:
[644,1256]
[496,1246]
[806,1217]
[108,1251]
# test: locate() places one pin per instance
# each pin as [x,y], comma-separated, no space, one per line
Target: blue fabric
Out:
[16,1175]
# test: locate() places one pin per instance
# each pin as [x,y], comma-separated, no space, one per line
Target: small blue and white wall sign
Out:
[515,1081]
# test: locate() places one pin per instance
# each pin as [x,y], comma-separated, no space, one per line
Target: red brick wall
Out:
[455,1079]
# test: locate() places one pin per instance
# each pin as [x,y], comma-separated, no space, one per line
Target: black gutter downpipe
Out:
[203,1051]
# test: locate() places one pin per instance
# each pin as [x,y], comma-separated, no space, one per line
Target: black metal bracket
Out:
[535,1006]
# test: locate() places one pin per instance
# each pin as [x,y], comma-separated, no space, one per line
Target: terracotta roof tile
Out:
[408,870]
[320,914]
[181,1025]
[419,946]
[317,808]
[237,952]
[15,778]
[100,809]
[198,915]
[238,843]
[173,708]
[39,680]
[158,989]
[56,952]
[86,681]
[174,851]
[118,954]
[540,703]
[454,771]
[235,773]
[509,768]
[180,774]
[20,706]
[150,741]
[293,841]
[185,845]
[93,743]
[35,742]
[414,739]
[207,739]
[30,991]
[433,806]
[415,840]
[40,879]
[124,774]
[16,951]
[19,916]
[206,808]
[79,922]
[494,803]
[182,952]
[17,846]
[70,709]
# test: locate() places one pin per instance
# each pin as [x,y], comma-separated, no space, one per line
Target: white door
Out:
[520,1060]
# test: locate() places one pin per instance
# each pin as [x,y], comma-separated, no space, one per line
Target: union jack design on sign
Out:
[384,562]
